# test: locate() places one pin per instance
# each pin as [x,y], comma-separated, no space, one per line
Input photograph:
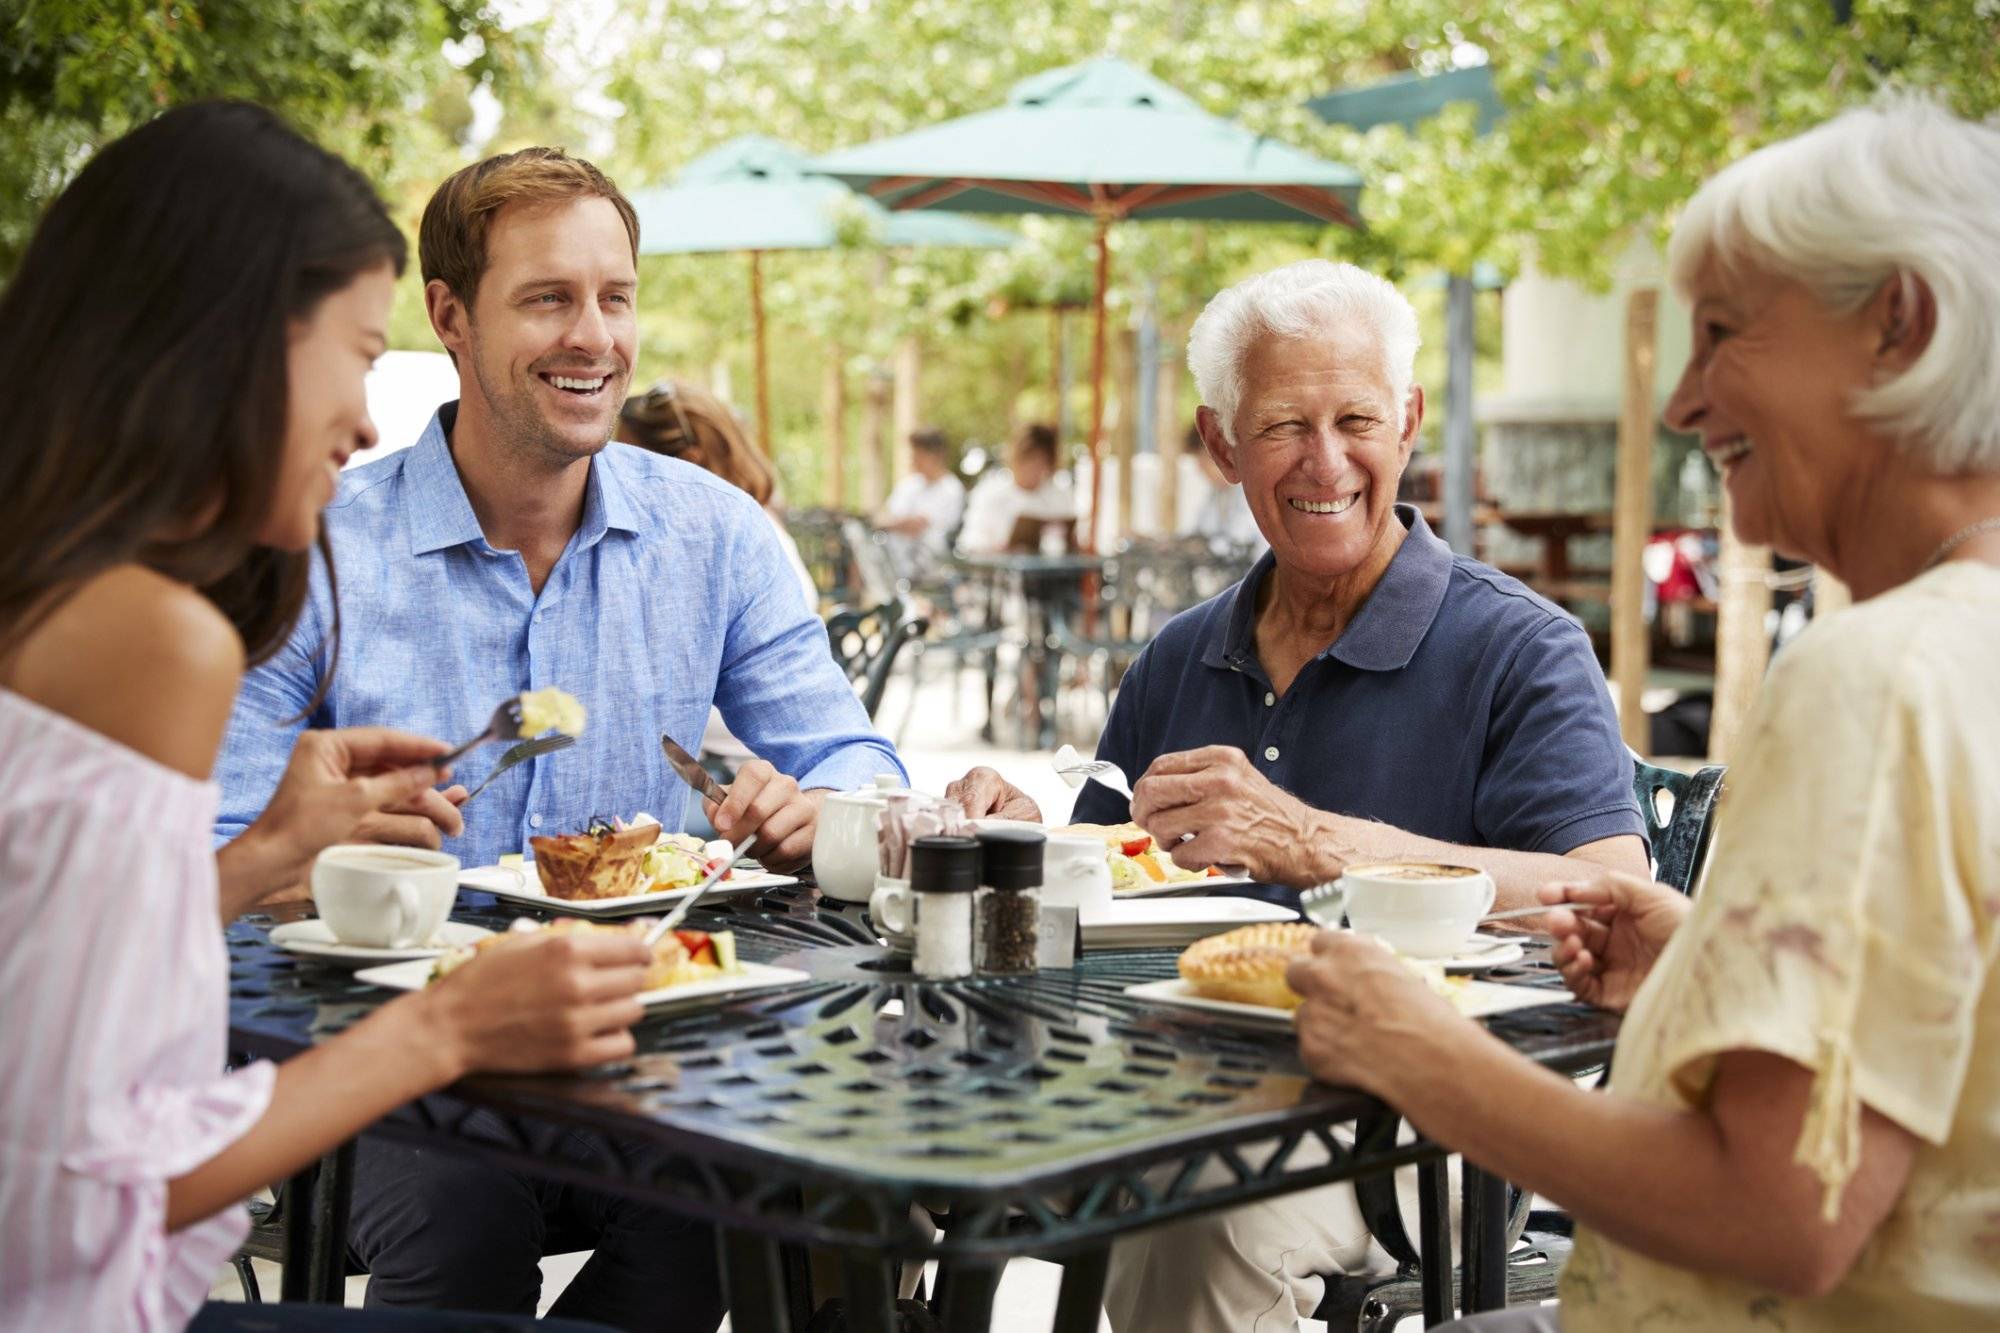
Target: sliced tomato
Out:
[700,948]
[708,868]
[1135,846]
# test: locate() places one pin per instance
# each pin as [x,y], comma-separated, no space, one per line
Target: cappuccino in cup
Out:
[1421,909]
[384,897]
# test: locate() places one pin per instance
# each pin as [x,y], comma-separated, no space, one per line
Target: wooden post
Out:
[833,414]
[874,440]
[906,413]
[1632,518]
[1168,429]
[1742,643]
[1459,436]
[1097,381]
[1058,352]
[763,369]
[1126,433]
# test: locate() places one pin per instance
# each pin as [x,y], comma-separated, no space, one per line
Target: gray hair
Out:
[1902,189]
[1302,300]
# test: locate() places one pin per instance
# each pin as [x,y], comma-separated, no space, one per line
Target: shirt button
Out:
[1270,752]
[1269,699]
[534,821]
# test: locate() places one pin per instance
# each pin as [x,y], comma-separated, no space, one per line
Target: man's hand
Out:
[352,784]
[1609,932]
[984,794]
[1238,817]
[768,803]
[1368,1020]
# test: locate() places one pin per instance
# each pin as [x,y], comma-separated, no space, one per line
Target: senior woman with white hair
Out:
[1803,1128]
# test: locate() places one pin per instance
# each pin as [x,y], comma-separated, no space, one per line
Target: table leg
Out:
[316,1207]
[1081,1301]
[1434,1241]
[871,1293]
[1485,1240]
[755,1281]
[966,1293]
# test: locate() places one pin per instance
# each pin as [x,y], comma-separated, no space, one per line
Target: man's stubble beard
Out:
[523,432]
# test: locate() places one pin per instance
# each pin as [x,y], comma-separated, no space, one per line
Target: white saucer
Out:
[1486,951]
[314,939]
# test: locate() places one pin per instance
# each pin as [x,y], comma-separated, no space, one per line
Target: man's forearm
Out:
[1342,840]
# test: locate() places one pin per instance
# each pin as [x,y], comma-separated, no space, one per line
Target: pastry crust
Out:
[1247,965]
[586,866]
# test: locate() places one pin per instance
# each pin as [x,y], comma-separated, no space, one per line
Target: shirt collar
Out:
[1384,634]
[441,516]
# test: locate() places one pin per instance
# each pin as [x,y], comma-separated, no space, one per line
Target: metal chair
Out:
[1679,813]
[867,643]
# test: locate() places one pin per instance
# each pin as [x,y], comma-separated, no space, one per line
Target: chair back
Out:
[1679,810]
[866,644]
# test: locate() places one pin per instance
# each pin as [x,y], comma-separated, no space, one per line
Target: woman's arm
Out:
[1713,1189]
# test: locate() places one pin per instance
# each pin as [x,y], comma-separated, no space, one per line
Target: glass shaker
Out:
[944,878]
[1010,899]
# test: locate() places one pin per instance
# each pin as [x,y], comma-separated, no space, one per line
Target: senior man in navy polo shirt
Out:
[1362,695]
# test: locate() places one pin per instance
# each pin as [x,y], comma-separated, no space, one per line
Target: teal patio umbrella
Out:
[755,194]
[1111,142]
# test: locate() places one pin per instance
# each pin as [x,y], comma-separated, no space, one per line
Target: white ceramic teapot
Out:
[845,858]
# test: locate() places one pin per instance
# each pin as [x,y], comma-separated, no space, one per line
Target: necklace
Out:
[1958,539]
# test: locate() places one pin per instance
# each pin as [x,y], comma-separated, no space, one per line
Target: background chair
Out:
[867,643]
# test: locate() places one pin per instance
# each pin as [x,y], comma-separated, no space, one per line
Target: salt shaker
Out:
[944,876]
[1010,893]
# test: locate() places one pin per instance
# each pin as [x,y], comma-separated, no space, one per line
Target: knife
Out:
[691,771]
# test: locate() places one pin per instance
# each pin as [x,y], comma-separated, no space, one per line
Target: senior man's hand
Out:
[983,794]
[1237,816]
[769,803]
[1369,1021]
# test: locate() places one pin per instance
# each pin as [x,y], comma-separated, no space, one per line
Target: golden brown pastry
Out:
[585,866]
[1247,965]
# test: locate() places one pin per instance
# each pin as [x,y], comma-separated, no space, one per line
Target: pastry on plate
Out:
[605,862]
[1247,965]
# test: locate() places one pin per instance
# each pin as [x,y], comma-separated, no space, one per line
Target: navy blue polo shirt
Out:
[1457,705]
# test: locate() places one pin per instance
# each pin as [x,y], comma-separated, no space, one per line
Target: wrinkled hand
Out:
[1610,934]
[1238,817]
[768,803]
[546,1002]
[350,784]
[984,794]
[1368,1020]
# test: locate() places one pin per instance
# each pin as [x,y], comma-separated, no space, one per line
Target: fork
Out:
[505,725]
[1075,770]
[520,754]
[1325,904]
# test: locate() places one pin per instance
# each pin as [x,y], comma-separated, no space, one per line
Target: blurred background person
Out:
[1030,487]
[1210,505]
[923,510]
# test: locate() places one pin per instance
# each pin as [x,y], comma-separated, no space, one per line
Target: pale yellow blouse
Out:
[1848,922]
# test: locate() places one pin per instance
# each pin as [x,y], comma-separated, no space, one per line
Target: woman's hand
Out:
[1609,931]
[1369,1020]
[544,1002]
[350,784]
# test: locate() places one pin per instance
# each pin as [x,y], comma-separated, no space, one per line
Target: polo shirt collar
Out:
[1384,634]
[441,517]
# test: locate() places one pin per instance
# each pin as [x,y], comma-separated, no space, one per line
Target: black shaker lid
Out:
[944,865]
[1011,858]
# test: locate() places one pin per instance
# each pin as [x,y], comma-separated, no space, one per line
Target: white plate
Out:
[1488,951]
[314,939]
[1187,888]
[753,977]
[521,886]
[1174,922]
[1474,999]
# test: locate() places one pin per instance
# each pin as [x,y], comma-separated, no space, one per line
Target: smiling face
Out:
[1766,387]
[326,410]
[549,341]
[1320,449]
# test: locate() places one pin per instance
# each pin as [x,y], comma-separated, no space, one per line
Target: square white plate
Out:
[1187,888]
[1153,923]
[1474,999]
[521,886]
[416,974]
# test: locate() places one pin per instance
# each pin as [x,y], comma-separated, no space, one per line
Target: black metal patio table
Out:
[1044,585]
[1044,1116]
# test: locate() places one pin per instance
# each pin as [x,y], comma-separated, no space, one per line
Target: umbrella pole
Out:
[762,363]
[1097,382]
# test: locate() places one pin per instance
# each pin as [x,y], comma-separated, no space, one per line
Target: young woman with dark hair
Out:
[182,354]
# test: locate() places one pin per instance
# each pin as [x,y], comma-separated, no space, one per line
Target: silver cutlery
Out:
[505,725]
[521,754]
[691,771]
[679,914]
[1075,770]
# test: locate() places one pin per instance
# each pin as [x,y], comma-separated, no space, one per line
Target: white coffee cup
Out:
[379,897]
[893,909]
[1075,874]
[1424,910]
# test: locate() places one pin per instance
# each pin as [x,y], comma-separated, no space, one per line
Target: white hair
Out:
[1899,190]
[1304,300]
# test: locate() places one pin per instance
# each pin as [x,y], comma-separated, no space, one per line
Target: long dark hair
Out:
[143,362]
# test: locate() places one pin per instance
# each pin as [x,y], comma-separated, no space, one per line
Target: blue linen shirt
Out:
[1456,705]
[672,594]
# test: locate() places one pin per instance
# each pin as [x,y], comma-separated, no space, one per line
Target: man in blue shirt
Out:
[512,549]
[1362,695]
